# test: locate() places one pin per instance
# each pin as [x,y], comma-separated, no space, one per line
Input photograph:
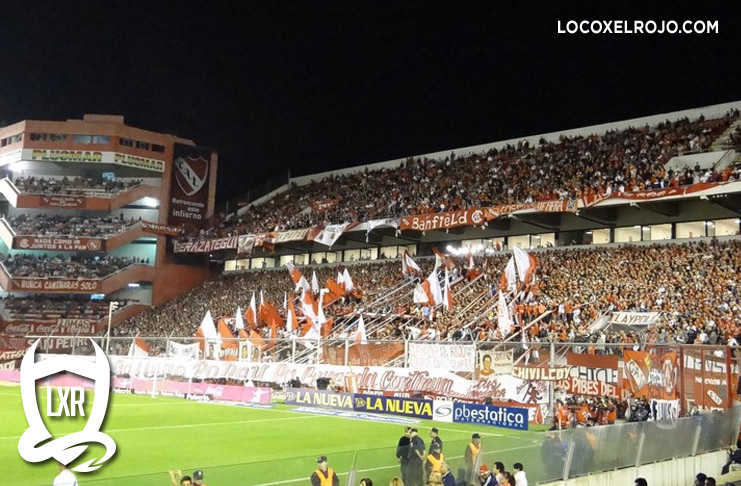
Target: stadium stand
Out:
[66,266]
[76,186]
[76,226]
[625,161]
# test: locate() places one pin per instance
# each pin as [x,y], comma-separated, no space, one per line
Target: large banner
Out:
[319,398]
[55,285]
[374,379]
[373,354]
[706,378]
[245,244]
[331,233]
[496,362]
[189,185]
[592,375]
[554,206]
[639,320]
[651,375]
[452,357]
[291,235]
[206,246]
[541,372]
[86,156]
[177,350]
[406,407]
[62,201]
[451,219]
[160,229]
[57,243]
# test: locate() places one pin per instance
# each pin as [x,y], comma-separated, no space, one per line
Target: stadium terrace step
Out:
[98,202]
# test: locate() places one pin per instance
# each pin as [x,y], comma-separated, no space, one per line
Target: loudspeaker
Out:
[322,383]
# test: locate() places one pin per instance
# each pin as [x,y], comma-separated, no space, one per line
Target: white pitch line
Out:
[187,426]
[287,481]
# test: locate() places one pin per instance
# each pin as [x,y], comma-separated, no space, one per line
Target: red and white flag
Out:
[139,347]
[297,277]
[525,263]
[360,336]
[503,318]
[429,291]
[314,283]
[408,265]
[291,319]
[251,314]
[509,279]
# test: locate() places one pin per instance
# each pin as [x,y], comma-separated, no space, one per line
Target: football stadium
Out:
[562,307]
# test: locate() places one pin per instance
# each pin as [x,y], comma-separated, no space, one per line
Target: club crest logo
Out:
[71,399]
[191,173]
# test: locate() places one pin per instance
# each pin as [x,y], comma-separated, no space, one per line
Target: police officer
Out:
[324,476]
[416,459]
[436,440]
[402,454]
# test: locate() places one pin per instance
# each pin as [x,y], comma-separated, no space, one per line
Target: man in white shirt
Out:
[520,478]
[65,477]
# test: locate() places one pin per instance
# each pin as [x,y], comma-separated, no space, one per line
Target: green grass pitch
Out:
[240,446]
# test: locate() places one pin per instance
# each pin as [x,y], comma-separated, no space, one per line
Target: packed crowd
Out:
[74,226]
[45,308]
[69,266]
[76,186]
[695,287]
[627,160]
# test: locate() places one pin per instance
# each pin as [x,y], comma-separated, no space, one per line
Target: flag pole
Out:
[111,306]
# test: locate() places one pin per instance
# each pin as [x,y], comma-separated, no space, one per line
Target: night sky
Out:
[312,86]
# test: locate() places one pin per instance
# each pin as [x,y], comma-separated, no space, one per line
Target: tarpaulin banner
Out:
[62,201]
[56,243]
[245,244]
[373,354]
[592,375]
[594,199]
[651,375]
[496,362]
[554,206]
[406,407]
[323,204]
[206,246]
[452,357]
[706,377]
[450,219]
[10,359]
[541,372]
[184,389]
[160,229]
[291,235]
[189,185]
[86,156]
[319,398]
[62,285]
[634,319]
[177,350]
[370,378]
[331,233]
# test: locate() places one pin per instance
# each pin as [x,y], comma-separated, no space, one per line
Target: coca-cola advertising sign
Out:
[71,327]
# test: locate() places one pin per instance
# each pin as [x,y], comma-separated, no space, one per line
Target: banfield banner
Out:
[506,417]
[407,407]
[319,398]
[189,186]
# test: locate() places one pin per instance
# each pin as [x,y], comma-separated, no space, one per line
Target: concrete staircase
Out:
[721,143]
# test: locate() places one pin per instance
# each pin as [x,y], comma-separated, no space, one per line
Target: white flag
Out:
[504,319]
[510,280]
[238,320]
[360,336]
[207,329]
[447,298]
[525,263]
[347,280]
[314,283]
